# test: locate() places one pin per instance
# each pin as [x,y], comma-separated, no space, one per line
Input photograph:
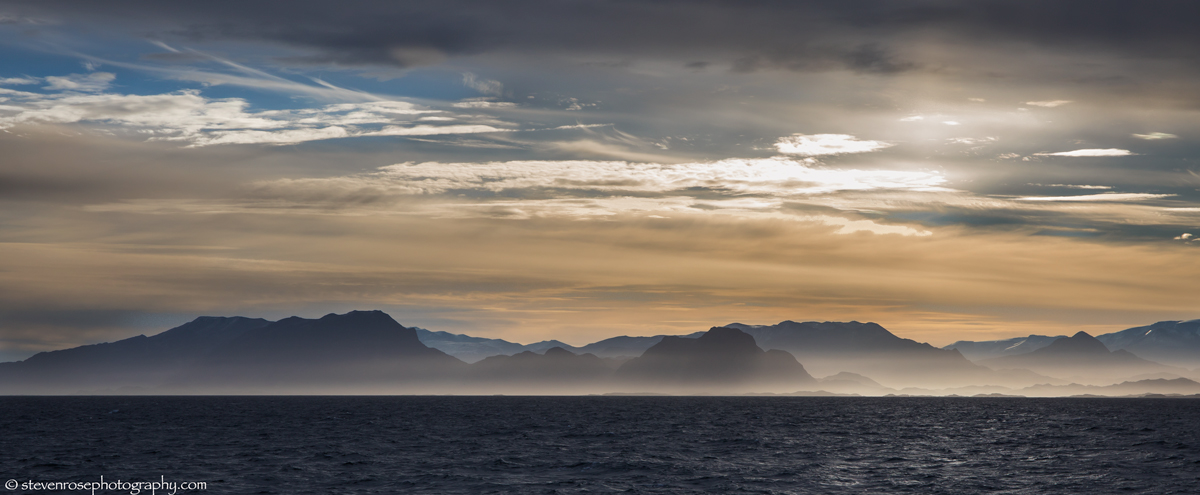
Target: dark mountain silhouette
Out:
[555,371]
[721,360]
[545,345]
[869,349]
[135,363]
[627,347]
[355,351]
[1168,342]
[1080,355]
[987,349]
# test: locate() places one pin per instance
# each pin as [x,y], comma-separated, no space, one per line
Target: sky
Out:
[579,169]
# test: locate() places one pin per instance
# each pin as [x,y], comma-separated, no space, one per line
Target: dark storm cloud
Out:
[866,36]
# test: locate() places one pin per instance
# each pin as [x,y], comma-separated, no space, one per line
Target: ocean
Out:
[546,445]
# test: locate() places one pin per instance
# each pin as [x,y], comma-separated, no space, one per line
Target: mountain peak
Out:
[722,356]
[725,336]
[374,315]
[1079,344]
[558,352]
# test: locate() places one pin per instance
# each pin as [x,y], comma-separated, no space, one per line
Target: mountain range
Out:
[369,352]
[976,351]
[472,349]
[868,349]
[1175,343]
[721,360]
[1080,357]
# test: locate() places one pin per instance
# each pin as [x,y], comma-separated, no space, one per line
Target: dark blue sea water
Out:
[289,445]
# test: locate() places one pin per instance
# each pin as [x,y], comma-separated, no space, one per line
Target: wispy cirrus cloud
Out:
[240,75]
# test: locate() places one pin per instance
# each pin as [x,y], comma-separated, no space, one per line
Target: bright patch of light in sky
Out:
[1089,153]
[826,144]
[1048,104]
[780,177]
[1099,197]
[1154,136]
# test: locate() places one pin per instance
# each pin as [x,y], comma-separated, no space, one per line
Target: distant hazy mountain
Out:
[1080,356]
[472,349]
[136,363]
[1182,386]
[555,371]
[869,349]
[465,347]
[1169,342]
[365,351]
[987,349]
[720,360]
[853,383]
[627,347]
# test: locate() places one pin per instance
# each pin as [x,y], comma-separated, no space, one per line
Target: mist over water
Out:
[610,444]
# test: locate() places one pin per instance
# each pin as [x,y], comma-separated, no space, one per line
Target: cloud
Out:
[1183,237]
[826,144]
[1048,104]
[84,83]
[485,86]
[430,130]
[189,117]
[777,177]
[19,81]
[278,137]
[1116,197]
[1154,136]
[970,140]
[762,189]
[482,103]
[1072,186]
[244,76]
[1090,153]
